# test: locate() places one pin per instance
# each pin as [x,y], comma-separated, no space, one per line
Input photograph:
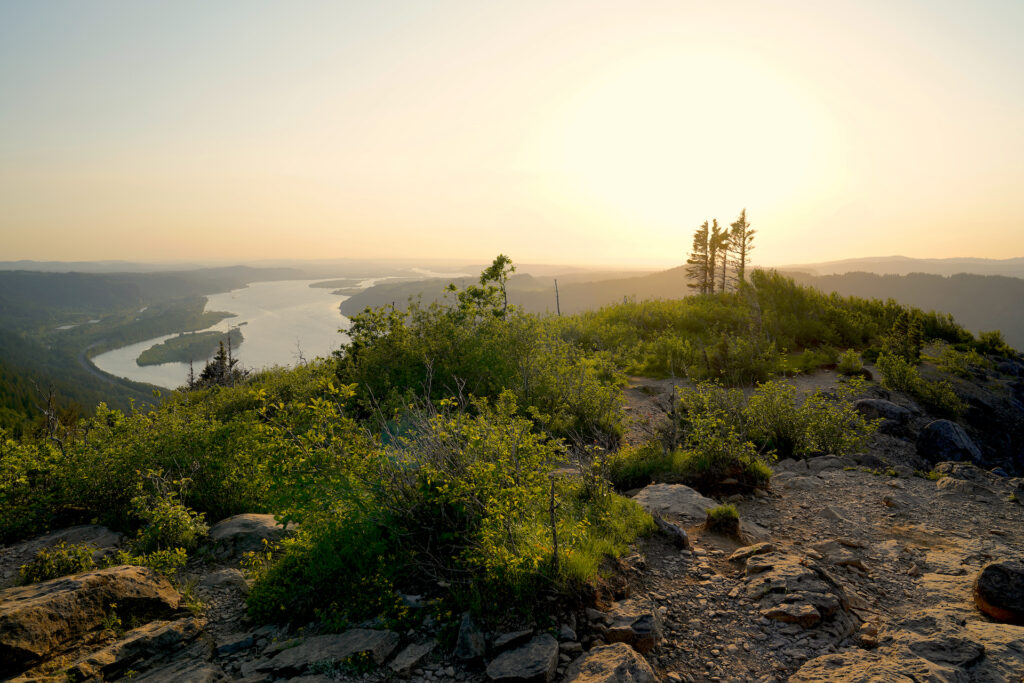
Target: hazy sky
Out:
[569,132]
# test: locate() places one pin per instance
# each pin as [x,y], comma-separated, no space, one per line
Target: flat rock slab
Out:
[535,662]
[411,657]
[99,537]
[46,618]
[676,501]
[138,646]
[334,648]
[616,663]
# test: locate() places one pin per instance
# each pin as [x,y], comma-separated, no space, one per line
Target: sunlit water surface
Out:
[283,321]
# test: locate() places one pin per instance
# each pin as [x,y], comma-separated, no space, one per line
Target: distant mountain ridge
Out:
[905,265]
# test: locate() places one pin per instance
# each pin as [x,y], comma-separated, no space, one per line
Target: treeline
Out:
[719,258]
[978,302]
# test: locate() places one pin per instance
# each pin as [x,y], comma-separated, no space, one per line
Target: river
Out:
[281,322]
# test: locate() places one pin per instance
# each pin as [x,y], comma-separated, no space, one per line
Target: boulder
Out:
[12,557]
[944,440]
[615,663]
[675,501]
[534,662]
[894,417]
[138,647]
[635,624]
[43,619]
[235,536]
[335,647]
[470,643]
[411,657]
[999,591]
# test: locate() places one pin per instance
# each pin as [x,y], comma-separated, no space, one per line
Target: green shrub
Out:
[723,519]
[60,560]
[961,363]
[716,451]
[30,486]
[461,495]
[166,561]
[167,523]
[899,375]
[850,363]
[993,342]
[635,466]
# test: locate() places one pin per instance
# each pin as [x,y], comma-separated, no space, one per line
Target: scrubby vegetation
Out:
[426,456]
[718,434]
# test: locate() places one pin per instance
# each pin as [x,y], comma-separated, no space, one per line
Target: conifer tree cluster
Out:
[720,256]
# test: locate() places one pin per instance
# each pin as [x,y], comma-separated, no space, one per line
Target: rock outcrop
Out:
[235,536]
[44,619]
[675,501]
[942,440]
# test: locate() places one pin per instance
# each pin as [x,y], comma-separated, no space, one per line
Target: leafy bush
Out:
[723,519]
[961,363]
[899,375]
[167,523]
[166,561]
[850,363]
[824,423]
[635,466]
[993,342]
[461,495]
[60,560]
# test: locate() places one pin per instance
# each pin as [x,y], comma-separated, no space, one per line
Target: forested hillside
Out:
[978,302]
[51,323]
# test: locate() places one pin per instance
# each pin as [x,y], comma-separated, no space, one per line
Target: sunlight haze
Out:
[568,132]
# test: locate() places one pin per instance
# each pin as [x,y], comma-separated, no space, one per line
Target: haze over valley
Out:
[574,341]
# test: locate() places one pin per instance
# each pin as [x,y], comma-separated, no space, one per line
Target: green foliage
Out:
[166,561]
[961,363]
[900,375]
[850,363]
[479,348]
[60,560]
[906,337]
[993,343]
[632,467]
[462,495]
[723,519]
[167,522]
[30,472]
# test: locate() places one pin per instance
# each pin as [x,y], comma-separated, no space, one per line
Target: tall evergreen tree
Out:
[718,246]
[697,269]
[741,242]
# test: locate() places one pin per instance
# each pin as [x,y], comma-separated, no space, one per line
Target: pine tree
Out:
[718,247]
[741,241]
[697,269]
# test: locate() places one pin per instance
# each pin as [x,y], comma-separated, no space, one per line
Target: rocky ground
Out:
[846,569]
